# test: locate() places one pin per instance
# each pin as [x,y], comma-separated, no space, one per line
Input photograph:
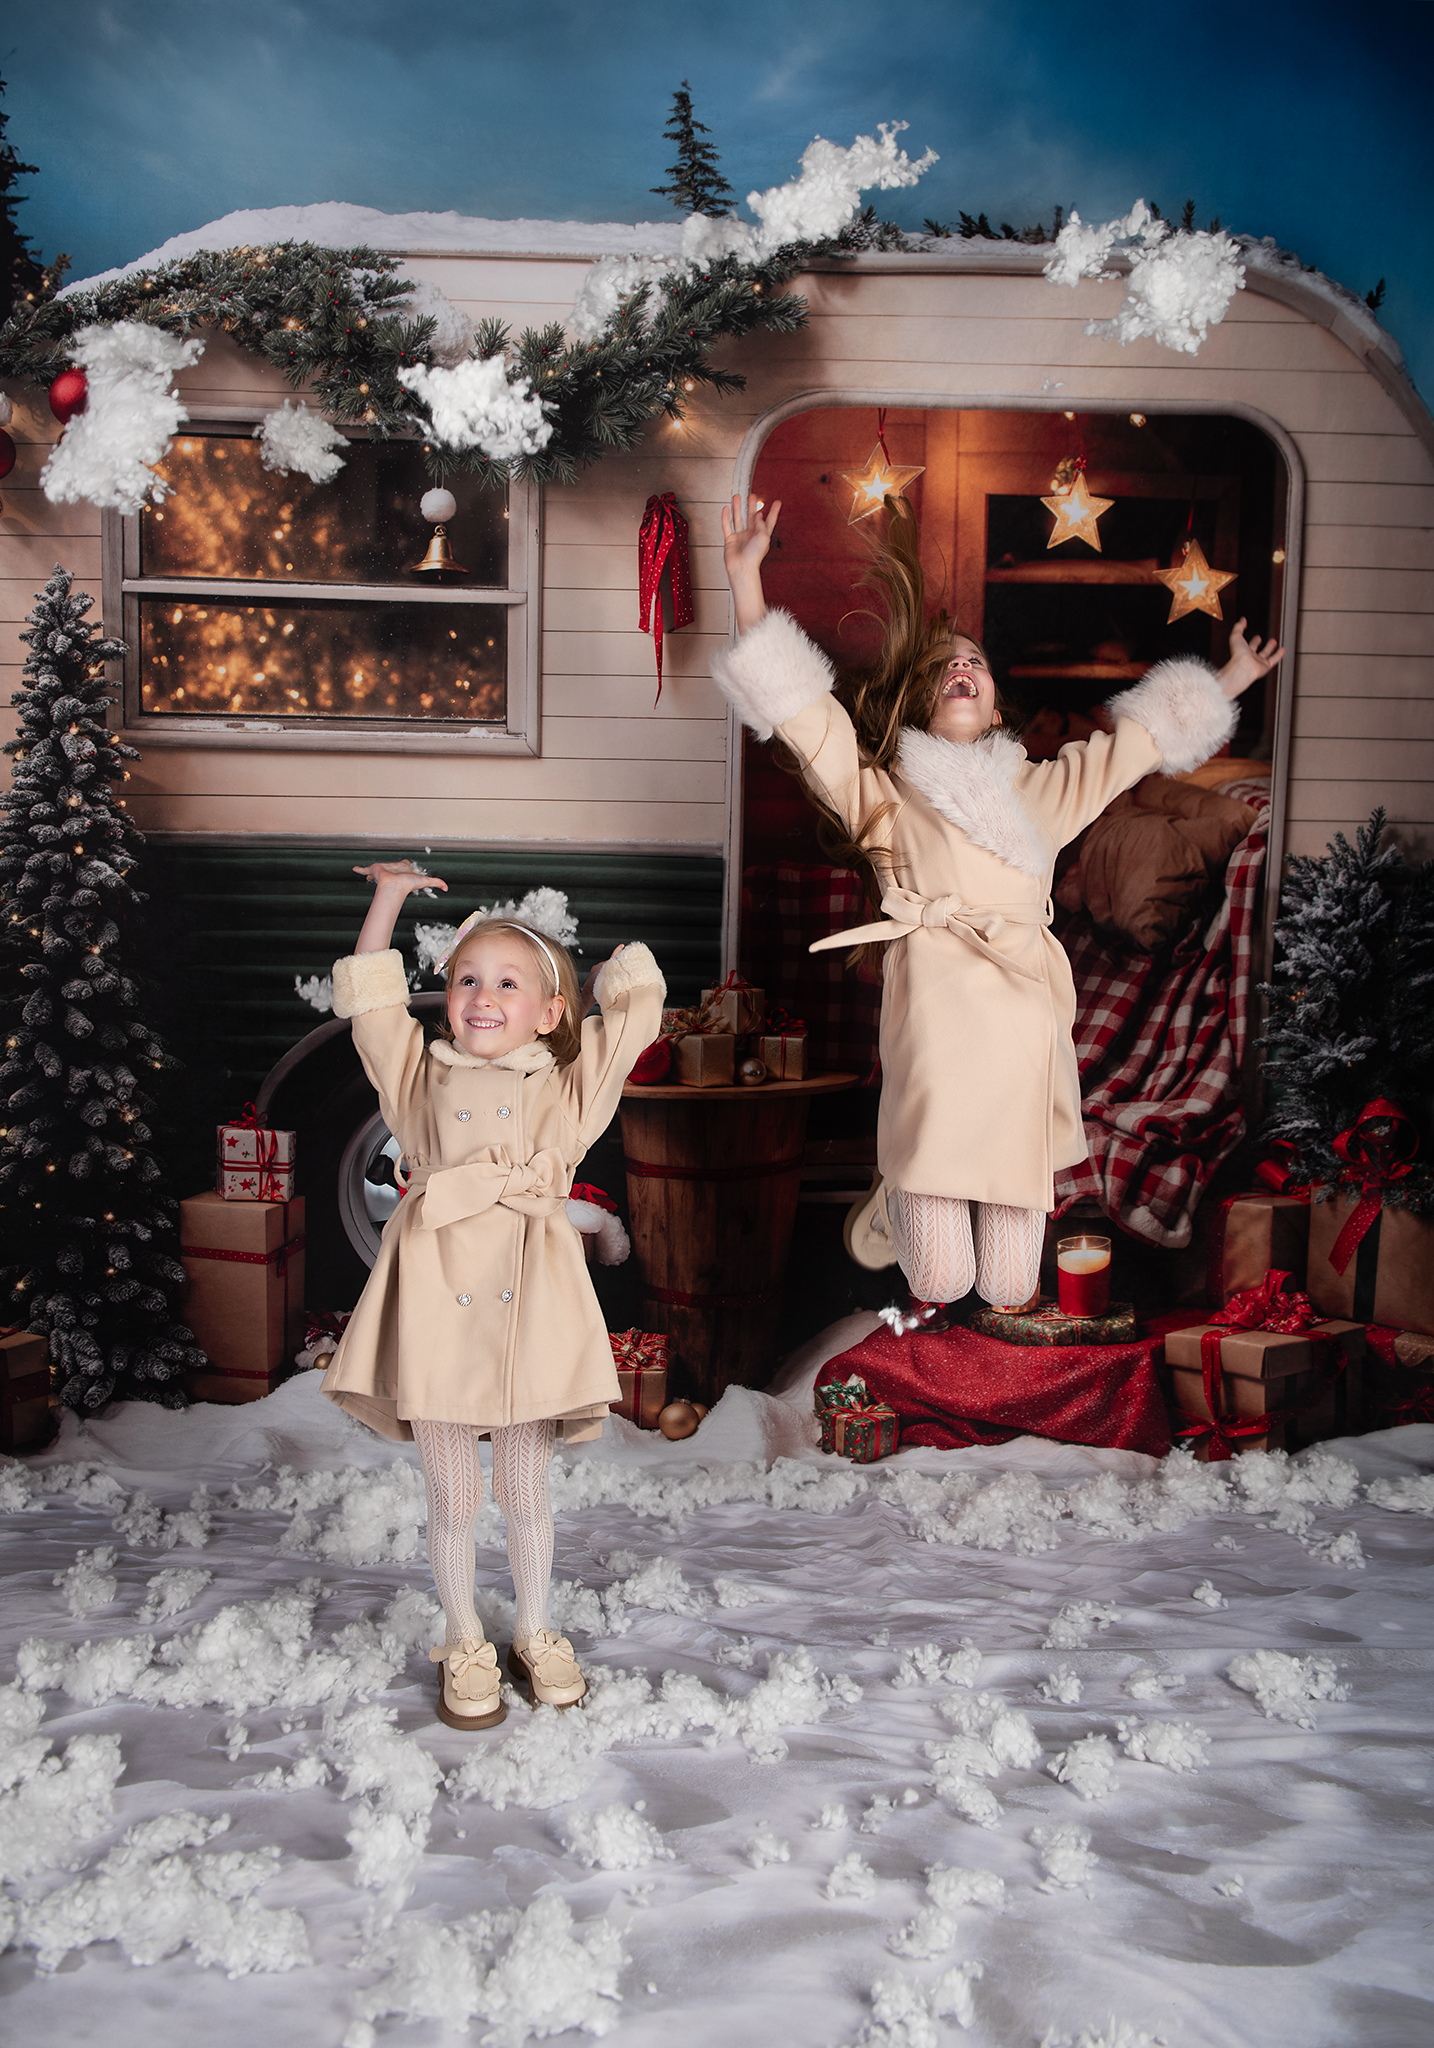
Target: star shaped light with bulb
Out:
[882,478]
[1076,513]
[1193,585]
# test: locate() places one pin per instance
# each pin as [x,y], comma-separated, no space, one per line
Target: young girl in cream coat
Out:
[958,832]
[479,1317]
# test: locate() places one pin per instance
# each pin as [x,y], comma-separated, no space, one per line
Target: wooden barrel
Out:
[712,1182]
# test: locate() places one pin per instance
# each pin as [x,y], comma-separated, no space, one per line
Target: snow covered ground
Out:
[995,1746]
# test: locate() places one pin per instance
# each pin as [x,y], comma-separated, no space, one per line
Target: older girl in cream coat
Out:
[958,833]
[479,1317]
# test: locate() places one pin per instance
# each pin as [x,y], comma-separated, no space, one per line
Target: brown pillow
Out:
[1145,865]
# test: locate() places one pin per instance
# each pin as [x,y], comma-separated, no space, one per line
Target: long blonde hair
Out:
[564,1041]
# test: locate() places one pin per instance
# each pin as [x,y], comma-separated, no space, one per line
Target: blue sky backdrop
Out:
[1307,120]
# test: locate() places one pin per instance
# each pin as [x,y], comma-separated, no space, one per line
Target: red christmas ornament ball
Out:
[69,394]
[655,1063]
[7,453]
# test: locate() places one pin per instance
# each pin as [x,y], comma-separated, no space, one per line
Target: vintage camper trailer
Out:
[526,745]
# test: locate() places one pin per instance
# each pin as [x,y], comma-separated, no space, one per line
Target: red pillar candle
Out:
[1083,1275]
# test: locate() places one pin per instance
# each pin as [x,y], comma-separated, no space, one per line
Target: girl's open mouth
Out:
[960,686]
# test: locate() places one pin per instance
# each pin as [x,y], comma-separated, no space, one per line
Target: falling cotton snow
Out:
[1033,1745]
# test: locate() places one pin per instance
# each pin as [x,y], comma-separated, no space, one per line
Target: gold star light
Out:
[1076,513]
[880,479]
[1194,586]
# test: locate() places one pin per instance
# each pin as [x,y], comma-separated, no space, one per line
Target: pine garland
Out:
[1351,1005]
[88,1247]
[335,321]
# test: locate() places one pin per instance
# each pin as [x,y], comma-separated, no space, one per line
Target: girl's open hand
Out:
[399,877]
[746,537]
[590,985]
[1249,660]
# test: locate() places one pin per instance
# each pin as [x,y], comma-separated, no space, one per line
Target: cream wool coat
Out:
[479,1308]
[980,1091]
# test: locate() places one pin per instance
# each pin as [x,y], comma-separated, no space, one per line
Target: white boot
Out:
[468,1687]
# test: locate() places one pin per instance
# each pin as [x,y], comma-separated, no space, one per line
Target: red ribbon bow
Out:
[583,1191]
[1379,1145]
[1278,1172]
[780,1024]
[1276,1305]
[662,546]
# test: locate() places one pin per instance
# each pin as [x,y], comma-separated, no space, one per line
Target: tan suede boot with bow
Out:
[468,1684]
[545,1664]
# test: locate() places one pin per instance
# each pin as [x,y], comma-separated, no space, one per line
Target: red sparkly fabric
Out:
[959,1388]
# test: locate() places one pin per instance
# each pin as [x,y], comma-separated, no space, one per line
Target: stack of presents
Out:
[732,1029]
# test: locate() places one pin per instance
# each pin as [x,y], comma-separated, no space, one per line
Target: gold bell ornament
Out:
[438,564]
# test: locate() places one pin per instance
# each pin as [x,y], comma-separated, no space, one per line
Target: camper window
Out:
[257,602]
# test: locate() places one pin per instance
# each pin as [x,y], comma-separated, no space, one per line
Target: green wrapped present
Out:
[865,1434]
[1049,1324]
[834,1398]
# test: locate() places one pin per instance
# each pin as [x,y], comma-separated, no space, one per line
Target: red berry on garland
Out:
[7,453]
[69,394]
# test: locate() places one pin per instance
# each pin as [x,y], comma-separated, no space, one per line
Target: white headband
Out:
[476,917]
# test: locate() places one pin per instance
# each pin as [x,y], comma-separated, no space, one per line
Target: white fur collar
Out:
[523,1059]
[972,784]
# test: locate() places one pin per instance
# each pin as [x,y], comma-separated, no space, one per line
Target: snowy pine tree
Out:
[1351,1007]
[88,1247]
[698,186]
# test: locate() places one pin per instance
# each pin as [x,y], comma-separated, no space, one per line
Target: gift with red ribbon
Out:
[835,1397]
[1263,1227]
[1372,1258]
[641,1358]
[733,1005]
[1270,1335]
[781,1046]
[244,1300]
[662,552]
[865,1434]
[255,1163]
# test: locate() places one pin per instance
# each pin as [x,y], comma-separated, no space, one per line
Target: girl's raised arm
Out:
[746,537]
[392,881]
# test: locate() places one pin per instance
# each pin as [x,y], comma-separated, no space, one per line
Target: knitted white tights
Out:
[933,1237]
[448,1452]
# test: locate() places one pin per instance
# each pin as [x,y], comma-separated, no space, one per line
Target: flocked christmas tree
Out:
[697,186]
[88,1248]
[1351,1008]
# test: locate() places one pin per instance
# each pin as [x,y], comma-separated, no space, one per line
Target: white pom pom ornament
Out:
[438,505]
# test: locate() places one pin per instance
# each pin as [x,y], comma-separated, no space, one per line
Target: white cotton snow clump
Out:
[1285,1687]
[929,1664]
[89,1583]
[1181,281]
[169,1592]
[1209,1595]
[317,990]
[475,406]
[545,909]
[615,278]
[106,451]
[1115,2034]
[50,1804]
[1062,1685]
[1177,1745]
[1066,1855]
[934,1929]
[827,194]
[992,1737]
[613,1837]
[765,1847]
[395,1781]
[905,2016]
[452,338]
[852,1878]
[1088,1767]
[1072,1627]
[529,1975]
[152,1901]
[293,438]
[1411,1495]
[1148,1684]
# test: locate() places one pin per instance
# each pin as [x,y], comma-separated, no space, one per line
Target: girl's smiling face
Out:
[497,998]
[966,699]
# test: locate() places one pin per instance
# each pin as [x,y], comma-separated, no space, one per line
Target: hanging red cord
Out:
[662,550]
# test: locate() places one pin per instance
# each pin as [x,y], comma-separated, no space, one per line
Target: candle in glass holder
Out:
[1083,1275]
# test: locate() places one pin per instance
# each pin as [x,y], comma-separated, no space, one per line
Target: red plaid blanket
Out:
[1159,1038]
[1160,1041]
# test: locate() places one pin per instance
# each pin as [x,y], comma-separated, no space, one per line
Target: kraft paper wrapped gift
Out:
[1252,1234]
[1390,1277]
[705,1059]
[1283,1375]
[245,1295]
[783,1054]
[25,1416]
[735,1007]
[641,1360]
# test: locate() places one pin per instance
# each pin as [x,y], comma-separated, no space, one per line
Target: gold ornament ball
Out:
[699,1409]
[751,1073]
[323,1361]
[678,1419]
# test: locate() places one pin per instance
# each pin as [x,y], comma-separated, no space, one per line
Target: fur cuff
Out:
[369,981]
[772,673]
[634,967]
[1182,707]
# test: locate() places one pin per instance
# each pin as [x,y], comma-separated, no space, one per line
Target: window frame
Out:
[521,732]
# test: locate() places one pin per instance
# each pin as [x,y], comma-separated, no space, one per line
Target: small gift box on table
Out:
[1049,1324]
[1252,1235]
[853,1425]
[254,1163]
[1370,1257]
[25,1421]
[641,1360]
[1264,1374]
[734,1005]
[705,1059]
[245,1295]
[781,1046]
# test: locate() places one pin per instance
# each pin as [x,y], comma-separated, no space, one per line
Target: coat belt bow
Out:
[448,1194]
[979,924]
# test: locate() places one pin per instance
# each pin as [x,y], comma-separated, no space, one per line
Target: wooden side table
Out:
[712,1181]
